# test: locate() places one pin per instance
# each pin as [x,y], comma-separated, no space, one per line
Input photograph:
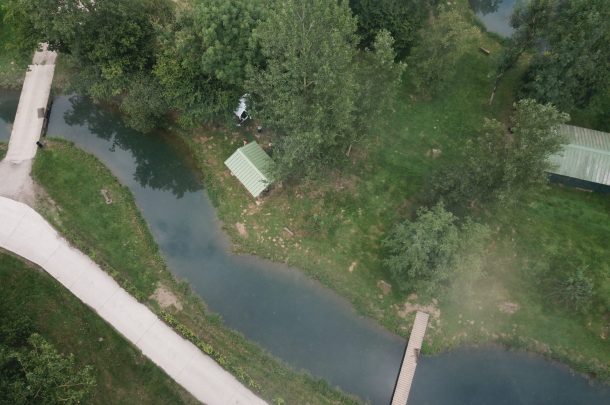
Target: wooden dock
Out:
[409,362]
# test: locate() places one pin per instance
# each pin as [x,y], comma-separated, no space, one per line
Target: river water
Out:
[293,317]
[495,14]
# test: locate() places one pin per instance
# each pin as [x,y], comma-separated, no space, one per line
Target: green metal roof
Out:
[252,167]
[585,157]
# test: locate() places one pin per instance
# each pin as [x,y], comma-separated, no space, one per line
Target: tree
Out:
[423,250]
[38,374]
[203,57]
[498,166]
[143,105]
[110,43]
[306,88]
[401,18]
[574,289]
[570,67]
[574,64]
[443,43]
[379,77]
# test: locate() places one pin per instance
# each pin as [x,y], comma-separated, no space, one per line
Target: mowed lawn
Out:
[122,373]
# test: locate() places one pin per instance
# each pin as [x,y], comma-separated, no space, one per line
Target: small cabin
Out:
[252,167]
[584,161]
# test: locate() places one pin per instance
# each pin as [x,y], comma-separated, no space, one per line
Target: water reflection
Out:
[484,376]
[152,169]
[8,108]
[496,14]
[485,6]
[290,315]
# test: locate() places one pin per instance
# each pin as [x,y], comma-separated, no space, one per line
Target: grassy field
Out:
[122,373]
[3,149]
[336,225]
[117,238]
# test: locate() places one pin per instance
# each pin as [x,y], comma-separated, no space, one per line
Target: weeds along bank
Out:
[116,237]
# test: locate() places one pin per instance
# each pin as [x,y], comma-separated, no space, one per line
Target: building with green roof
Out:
[585,157]
[252,167]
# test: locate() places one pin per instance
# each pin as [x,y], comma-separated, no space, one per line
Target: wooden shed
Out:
[252,167]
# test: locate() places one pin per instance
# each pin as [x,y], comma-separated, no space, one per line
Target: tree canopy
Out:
[499,165]
[423,250]
[33,372]
[442,44]
[401,18]
[306,87]
[203,57]
[570,67]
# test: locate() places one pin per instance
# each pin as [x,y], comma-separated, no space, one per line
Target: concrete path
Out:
[25,233]
[15,169]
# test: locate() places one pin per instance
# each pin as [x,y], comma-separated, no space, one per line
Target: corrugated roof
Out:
[585,157]
[252,167]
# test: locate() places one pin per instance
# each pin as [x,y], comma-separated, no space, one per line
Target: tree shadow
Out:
[159,165]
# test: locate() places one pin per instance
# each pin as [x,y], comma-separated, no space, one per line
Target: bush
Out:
[575,290]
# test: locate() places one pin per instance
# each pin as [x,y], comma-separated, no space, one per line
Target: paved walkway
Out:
[15,169]
[409,363]
[24,232]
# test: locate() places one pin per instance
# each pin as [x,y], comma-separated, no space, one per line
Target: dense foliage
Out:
[423,249]
[435,56]
[500,165]
[570,67]
[33,372]
[203,57]
[401,18]
[425,254]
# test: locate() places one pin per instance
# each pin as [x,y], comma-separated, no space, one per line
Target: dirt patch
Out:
[352,266]
[241,228]
[410,307]
[384,286]
[508,307]
[166,298]
[106,194]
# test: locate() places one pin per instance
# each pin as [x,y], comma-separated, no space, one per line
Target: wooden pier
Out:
[409,362]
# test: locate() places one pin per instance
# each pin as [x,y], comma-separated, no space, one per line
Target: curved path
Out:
[24,232]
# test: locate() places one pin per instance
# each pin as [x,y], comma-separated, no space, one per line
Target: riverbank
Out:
[123,245]
[331,228]
[122,373]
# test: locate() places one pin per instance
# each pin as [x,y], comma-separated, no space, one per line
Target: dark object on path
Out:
[41,113]
[40,144]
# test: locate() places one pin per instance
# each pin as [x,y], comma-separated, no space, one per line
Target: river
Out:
[295,318]
[495,14]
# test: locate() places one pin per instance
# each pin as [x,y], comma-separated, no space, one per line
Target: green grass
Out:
[338,222]
[117,238]
[122,373]
[3,149]
[340,219]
